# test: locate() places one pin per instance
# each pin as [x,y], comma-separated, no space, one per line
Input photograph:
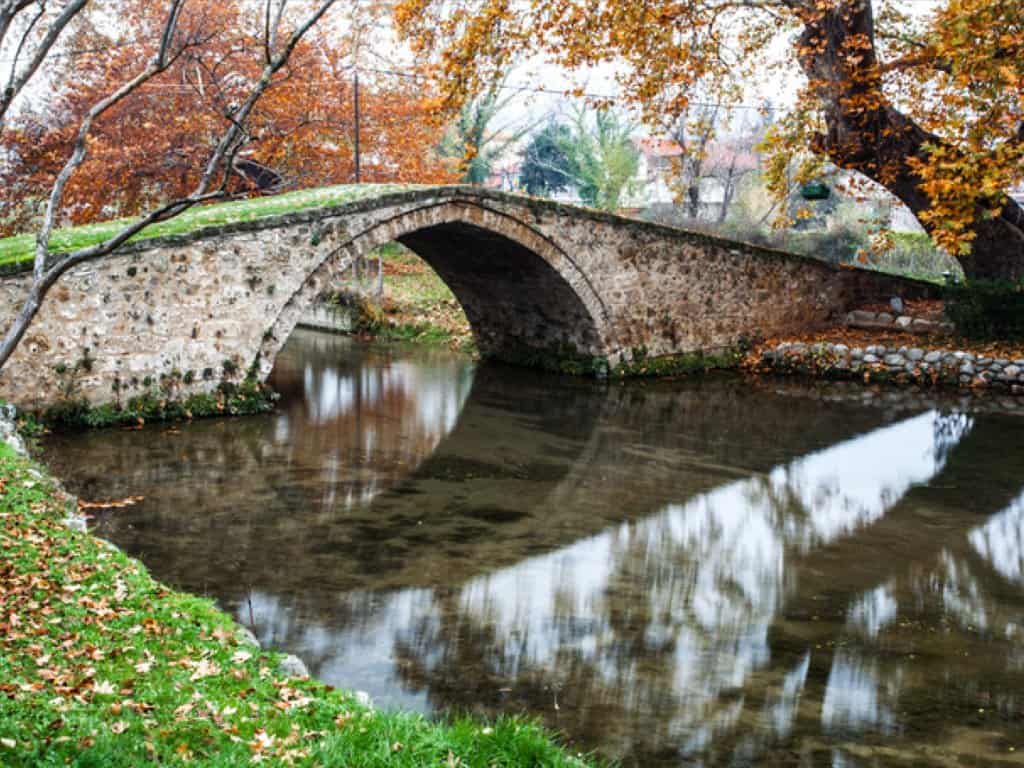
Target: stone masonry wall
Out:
[183,313]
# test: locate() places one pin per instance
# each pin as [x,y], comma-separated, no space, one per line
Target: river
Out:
[716,571]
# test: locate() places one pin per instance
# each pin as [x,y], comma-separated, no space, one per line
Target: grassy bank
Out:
[20,248]
[416,304]
[100,665]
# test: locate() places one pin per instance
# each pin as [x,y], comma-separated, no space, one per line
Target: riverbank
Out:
[102,665]
[901,359]
[412,303]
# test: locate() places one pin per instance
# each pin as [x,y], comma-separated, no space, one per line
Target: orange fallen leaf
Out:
[114,504]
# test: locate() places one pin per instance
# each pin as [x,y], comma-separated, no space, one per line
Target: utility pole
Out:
[356,102]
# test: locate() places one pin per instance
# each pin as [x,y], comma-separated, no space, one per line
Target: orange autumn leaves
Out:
[969,88]
[927,101]
[153,146]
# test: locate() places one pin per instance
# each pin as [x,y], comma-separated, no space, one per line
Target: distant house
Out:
[726,163]
[505,174]
[654,171]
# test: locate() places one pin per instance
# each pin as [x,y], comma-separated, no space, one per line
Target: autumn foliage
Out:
[927,101]
[152,146]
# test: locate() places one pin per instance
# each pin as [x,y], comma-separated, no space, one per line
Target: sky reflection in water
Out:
[701,571]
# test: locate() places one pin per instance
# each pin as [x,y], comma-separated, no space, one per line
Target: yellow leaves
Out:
[261,741]
[150,626]
[113,504]
[291,698]
[965,186]
[222,634]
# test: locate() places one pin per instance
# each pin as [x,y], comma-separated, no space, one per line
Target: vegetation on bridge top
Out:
[20,249]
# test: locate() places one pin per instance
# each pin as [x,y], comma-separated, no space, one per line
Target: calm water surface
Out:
[696,573]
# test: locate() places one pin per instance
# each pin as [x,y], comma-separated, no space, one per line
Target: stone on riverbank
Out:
[292,666]
[901,365]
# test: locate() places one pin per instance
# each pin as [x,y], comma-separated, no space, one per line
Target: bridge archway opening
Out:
[393,286]
[524,299]
[516,302]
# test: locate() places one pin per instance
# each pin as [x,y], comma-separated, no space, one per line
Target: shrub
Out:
[987,309]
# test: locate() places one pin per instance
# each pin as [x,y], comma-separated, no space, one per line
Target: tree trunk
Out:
[16,330]
[866,134]
[693,199]
[727,193]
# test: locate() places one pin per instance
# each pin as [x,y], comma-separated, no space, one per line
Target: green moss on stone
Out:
[679,365]
[230,399]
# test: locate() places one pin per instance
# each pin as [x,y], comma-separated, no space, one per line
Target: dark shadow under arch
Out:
[514,299]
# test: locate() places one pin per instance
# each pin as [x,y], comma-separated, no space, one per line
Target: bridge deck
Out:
[18,251]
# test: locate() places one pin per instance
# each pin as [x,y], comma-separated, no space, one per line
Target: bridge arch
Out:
[520,291]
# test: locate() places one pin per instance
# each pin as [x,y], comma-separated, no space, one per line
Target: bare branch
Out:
[8,11]
[18,82]
[160,62]
[925,57]
[239,116]
[267,54]
[21,44]
[47,268]
[271,29]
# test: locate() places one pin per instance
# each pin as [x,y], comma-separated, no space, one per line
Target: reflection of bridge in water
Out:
[695,570]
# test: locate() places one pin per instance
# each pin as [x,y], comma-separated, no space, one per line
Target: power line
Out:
[567,93]
[540,90]
[554,91]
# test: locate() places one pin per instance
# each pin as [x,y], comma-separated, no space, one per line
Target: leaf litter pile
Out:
[100,665]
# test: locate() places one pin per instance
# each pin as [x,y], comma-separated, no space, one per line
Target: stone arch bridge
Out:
[536,279]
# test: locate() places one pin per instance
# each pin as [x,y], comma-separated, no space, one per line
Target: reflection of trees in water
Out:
[1000,541]
[950,427]
[671,634]
[362,415]
[674,639]
[823,689]
[651,558]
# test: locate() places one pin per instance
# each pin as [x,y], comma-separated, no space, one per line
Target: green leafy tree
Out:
[473,139]
[603,161]
[546,167]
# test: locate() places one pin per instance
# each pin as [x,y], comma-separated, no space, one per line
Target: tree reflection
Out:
[704,572]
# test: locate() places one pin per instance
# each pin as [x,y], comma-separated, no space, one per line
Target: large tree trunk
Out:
[866,134]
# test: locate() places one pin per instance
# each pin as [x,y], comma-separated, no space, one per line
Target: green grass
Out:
[21,248]
[418,306]
[100,665]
